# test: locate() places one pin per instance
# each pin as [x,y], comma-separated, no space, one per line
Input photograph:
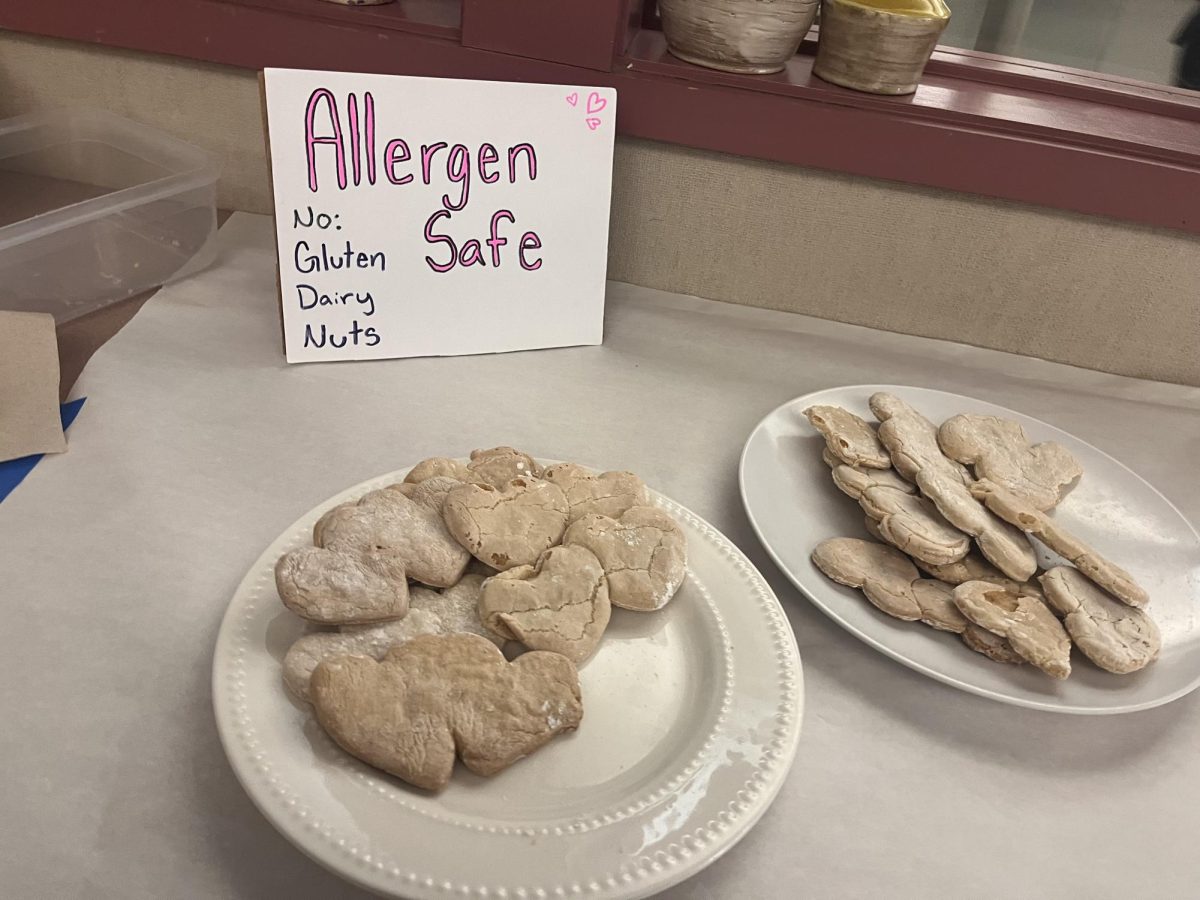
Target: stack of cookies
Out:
[962,503]
[417,587]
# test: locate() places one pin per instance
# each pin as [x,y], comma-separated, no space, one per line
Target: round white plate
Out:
[793,505]
[691,717]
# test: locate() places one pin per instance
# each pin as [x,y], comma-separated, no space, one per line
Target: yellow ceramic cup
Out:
[879,46]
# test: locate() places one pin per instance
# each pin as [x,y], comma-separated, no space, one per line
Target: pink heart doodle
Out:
[593,123]
[573,97]
[595,103]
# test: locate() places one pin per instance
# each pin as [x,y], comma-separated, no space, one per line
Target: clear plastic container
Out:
[95,208]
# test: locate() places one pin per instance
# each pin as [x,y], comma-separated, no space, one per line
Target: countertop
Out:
[199,444]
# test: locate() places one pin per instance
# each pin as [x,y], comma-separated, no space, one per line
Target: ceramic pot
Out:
[754,37]
[878,46]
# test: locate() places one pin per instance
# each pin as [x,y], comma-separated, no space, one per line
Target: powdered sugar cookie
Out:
[331,588]
[394,532]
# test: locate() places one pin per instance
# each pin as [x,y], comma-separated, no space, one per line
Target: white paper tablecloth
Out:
[198,445]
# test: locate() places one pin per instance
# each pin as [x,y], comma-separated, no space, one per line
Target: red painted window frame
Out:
[1011,129]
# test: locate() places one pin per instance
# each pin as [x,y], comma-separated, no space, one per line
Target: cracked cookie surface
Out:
[644,555]
[609,493]
[508,526]
[999,450]
[559,604]
[1116,637]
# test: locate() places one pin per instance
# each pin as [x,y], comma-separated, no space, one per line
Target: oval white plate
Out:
[691,717]
[793,505]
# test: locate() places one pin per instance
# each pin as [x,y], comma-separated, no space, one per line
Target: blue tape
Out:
[14,471]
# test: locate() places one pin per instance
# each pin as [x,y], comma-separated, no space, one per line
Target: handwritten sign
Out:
[423,216]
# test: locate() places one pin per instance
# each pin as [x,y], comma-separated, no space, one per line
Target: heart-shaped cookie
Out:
[457,608]
[440,694]
[452,611]
[509,526]
[393,532]
[500,465]
[497,467]
[644,554]
[561,604]
[434,467]
[331,588]
[609,493]
[310,650]
[431,492]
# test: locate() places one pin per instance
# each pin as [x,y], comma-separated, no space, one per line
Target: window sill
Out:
[1028,132]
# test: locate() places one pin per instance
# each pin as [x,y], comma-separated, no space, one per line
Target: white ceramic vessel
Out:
[793,505]
[691,718]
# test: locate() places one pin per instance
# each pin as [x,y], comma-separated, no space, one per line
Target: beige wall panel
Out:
[1074,289]
[1069,288]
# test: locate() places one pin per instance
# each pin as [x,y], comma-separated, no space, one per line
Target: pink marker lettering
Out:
[487,156]
[369,104]
[311,140]
[495,241]
[355,150]
[470,255]
[512,161]
[458,170]
[396,152]
[432,238]
[530,241]
[428,151]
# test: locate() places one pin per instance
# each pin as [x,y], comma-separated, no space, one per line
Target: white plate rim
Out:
[882,647]
[769,779]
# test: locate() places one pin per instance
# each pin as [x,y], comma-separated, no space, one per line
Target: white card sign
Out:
[426,217]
